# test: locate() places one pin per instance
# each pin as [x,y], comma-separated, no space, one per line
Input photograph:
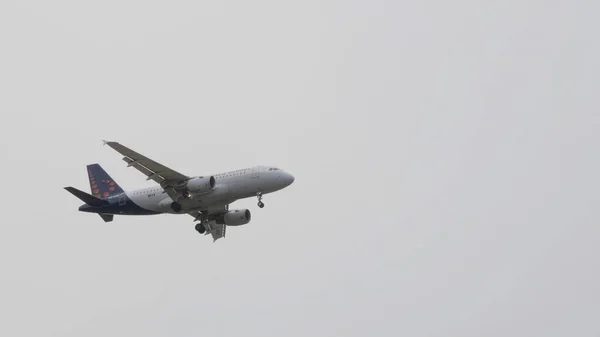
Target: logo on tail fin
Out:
[101,184]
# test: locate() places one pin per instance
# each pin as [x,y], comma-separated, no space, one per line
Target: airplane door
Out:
[122,200]
[254,173]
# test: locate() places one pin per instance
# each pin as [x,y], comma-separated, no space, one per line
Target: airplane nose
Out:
[288,178]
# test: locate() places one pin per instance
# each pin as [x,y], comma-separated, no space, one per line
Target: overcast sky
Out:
[445,155]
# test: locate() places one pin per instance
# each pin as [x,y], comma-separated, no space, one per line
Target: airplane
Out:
[205,198]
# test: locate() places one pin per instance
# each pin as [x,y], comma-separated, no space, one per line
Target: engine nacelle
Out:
[237,217]
[201,185]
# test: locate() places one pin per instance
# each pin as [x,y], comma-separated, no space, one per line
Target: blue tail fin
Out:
[101,184]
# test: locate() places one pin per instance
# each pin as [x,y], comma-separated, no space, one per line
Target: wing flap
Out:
[146,171]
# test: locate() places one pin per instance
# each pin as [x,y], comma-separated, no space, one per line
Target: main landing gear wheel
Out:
[203,217]
[260,203]
[200,228]
[176,206]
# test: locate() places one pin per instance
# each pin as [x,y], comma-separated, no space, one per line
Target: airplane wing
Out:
[217,231]
[147,166]
[170,180]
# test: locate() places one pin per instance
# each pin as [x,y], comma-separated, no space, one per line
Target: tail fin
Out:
[101,184]
[88,199]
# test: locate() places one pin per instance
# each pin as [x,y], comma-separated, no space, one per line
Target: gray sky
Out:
[445,155]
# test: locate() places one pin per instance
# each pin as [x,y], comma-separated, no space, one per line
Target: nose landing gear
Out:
[260,203]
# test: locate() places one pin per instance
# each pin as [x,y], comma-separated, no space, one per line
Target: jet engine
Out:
[237,217]
[200,185]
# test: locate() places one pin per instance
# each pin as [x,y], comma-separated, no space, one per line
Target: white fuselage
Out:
[229,187]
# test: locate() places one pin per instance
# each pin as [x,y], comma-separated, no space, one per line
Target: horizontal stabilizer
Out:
[87,198]
[106,217]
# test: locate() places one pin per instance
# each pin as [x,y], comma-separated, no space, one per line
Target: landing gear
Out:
[200,228]
[202,216]
[176,206]
[260,203]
